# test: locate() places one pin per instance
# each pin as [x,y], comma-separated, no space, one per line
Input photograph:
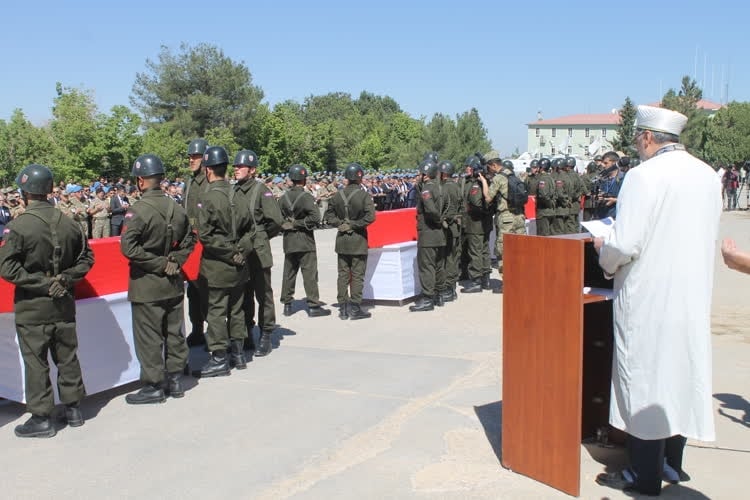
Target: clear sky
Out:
[507,59]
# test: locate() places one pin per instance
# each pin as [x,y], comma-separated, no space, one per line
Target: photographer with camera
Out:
[607,186]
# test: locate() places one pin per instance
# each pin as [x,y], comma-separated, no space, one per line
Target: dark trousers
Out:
[351,276]
[115,228]
[473,249]
[159,343]
[258,287]
[543,225]
[571,224]
[647,460]
[431,264]
[226,319]
[557,224]
[61,342]
[452,255]
[307,262]
[197,295]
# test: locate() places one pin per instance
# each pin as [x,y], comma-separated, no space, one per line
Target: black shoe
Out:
[196,338]
[356,312]
[248,344]
[317,311]
[423,304]
[73,416]
[288,309]
[344,310]
[674,476]
[237,355]
[499,289]
[264,344]
[150,394]
[36,427]
[448,295]
[174,385]
[485,282]
[217,366]
[619,481]
[438,300]
[473,287]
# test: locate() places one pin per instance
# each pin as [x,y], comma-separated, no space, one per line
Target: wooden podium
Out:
[557,356]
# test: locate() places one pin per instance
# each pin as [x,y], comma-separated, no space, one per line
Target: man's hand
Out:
[287,226]
[238,259]
[598,243]
[172,268]
[345,227]
[58,287]
[444,223]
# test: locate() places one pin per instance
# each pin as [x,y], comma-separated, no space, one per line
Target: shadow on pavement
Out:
[734,402]
[491,417]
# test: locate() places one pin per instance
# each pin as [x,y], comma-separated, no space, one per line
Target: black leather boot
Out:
[217,366]
[237,355]
[288,309]
[344,310]
[73,415]
[448,295]
[474,286]
[264,344]
[423,304]
[317,311]
[356,312]
[195,338]
[149,394]
[36,426]
[249,344]
[438,299]
[486,282]
[174,385]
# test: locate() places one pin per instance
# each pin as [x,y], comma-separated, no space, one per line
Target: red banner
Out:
[392,226]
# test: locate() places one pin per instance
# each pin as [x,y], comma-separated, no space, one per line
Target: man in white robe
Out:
[661,255]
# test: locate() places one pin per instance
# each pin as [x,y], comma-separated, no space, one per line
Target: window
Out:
[604,132]
[586,131]
[586,150]
[570,132]
[537,132]
[570,150]
[553,148]
[554,132]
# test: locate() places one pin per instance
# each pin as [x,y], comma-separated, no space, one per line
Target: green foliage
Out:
[170,146]
[623,141]
[22,143]
[728,135]
[685,101]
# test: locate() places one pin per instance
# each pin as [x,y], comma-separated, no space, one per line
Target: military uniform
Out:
[100,218]
[562,202]
[476,229]
[505,220]
[587,180]
[257,201]
[453,208]
[545,204]
[156,231]
[298,208]
[351,246]
[45,324]
[226,279]
[196,289]
[76,210]
[430,239]
[575,191]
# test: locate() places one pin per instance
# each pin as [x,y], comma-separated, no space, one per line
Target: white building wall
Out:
[574,140]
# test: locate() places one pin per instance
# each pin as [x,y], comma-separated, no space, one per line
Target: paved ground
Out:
[404,405]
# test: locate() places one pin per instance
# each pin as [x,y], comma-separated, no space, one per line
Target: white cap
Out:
[660,120]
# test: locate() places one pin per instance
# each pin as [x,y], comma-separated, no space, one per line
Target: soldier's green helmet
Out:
[534,164]
[246,158]
[507,164]
[298,172]
[570,162]
[591,167]
[147,166]
[428,168]
[35,179]
[545,164]
[447,167]
[558,162]
[215,155]
[354,172]
[197,147]
[431,156]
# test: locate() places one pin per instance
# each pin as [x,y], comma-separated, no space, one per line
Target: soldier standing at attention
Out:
[73,207]
[301,217]
[223,265]
[545,199]
[453,208]
[562,202]
[430,239]
[44,254]
[100,215]
[157,240]
[196,290]
[257,201]
[575,191]
[351,210]
[476,228]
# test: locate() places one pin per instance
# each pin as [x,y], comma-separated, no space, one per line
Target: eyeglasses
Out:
[638,133]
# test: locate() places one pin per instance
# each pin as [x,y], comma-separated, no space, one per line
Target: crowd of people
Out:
[457,209]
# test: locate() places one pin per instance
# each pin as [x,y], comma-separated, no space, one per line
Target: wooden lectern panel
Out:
[542,358]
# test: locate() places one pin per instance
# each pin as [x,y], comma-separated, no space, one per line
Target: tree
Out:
[22,143]
[74,130]
[118,141]
[623,141]
[685,101]
[196,90]
[728,134]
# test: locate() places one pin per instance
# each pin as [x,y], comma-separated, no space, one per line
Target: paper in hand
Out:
[599,228]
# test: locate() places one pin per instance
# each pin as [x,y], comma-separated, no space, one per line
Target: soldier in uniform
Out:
[430,239]
[476,229]
[575,191]
[223,265]
[73,207]
[301,217]
[562,199]
[351,210]
[453,208]
[44,254]
[100,215]
[157,240]
[197,289]
[588,186]
[546,196]
[255,199]
[532,180]
[507,219]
